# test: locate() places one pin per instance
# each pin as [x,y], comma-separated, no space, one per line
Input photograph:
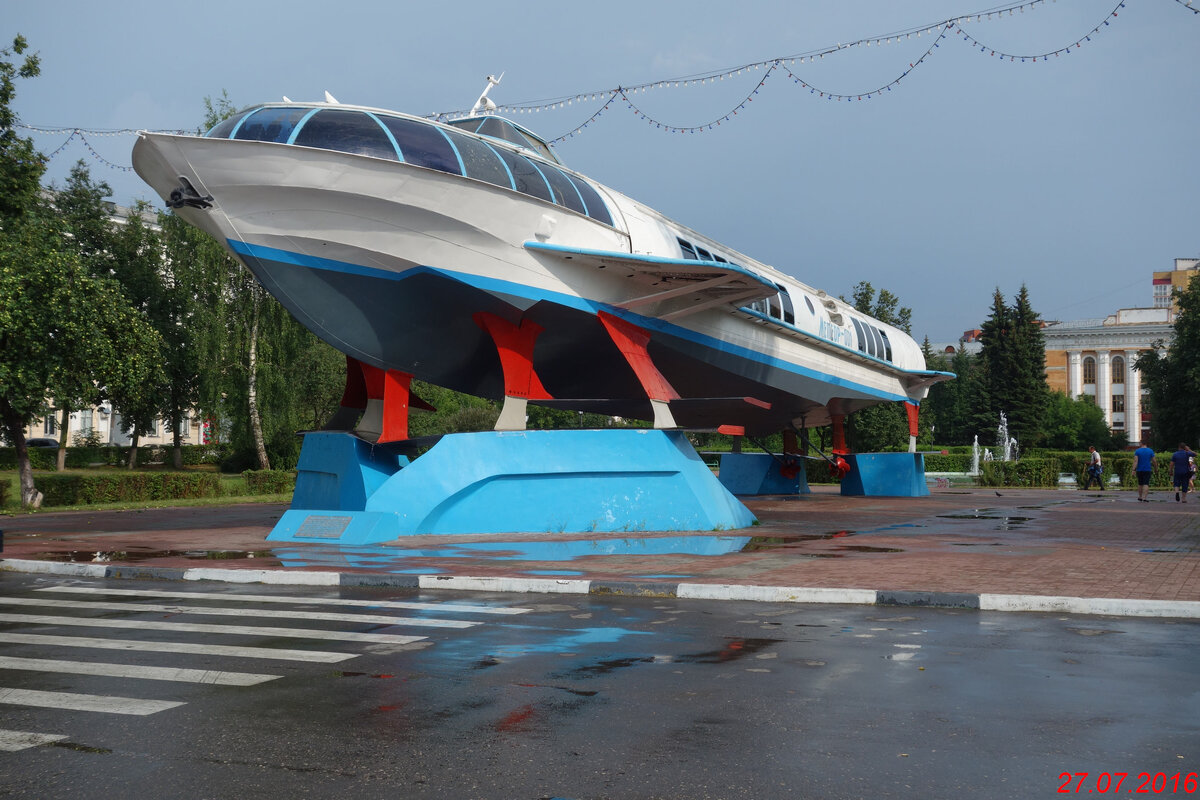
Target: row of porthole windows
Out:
[871,340]
[1116,370]
[414,142]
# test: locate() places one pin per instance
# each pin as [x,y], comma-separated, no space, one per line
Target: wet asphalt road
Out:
[591,697]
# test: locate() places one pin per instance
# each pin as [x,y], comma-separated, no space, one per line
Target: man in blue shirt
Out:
[1181,459]
[1143,467]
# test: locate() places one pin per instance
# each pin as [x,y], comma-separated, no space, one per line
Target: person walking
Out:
[1094,471]
[1181,460]
[1143,466]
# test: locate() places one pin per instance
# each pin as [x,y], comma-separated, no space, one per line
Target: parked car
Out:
[49,444]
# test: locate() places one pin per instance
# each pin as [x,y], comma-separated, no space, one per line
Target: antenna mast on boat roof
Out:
[485,104]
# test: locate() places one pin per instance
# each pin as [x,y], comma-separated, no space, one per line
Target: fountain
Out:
[1007,444]
[975,456]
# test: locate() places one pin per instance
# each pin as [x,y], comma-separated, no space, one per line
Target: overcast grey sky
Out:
[1077,175]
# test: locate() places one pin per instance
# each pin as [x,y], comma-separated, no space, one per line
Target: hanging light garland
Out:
[975,43]
[82,134]
[887,87]
[940,30]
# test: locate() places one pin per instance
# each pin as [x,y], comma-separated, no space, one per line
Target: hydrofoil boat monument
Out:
[465,254]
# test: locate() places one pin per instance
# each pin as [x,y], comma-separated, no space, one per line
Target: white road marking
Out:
[189,627]
[454,608]
[180,675]
[12,741]
[269,653]
[219,611]
[85,702]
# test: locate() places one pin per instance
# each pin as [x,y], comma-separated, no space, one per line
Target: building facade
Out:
[1096,358]
[1165,283]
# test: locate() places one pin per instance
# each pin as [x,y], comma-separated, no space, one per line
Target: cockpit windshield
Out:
[500,128]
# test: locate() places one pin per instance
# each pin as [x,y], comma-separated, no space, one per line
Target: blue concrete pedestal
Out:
[885,475]
[749,474]
[349,492]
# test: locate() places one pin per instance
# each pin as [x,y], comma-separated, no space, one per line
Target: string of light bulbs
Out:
[940,31]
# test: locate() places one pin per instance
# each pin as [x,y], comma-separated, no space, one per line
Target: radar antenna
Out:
[485,104]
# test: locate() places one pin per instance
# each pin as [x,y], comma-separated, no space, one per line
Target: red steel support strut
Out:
[914,411]
[514,343]
[632,341]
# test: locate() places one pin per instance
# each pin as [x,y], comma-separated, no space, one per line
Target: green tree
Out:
[1073,424]
[1172,375]
[60,327]
[1012,370]
[21,165]
[80,209]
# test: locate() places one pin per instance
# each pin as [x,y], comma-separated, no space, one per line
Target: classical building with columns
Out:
[1095,357]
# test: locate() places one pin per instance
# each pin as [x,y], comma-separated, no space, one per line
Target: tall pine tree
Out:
[1012,371]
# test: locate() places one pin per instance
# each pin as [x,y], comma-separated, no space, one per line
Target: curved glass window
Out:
[481,161]
[346,132]
[1118,370]
[565,193]
[223,128]
[526,177]
[596,209]
[500,128]
[270,124]
[1089,370]
[789,311]
[862,334]
[808,303]
[422,145]
[887,345]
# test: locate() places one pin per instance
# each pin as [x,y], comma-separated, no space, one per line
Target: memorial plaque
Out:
[322,527]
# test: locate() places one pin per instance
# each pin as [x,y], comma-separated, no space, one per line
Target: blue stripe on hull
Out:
[372,305]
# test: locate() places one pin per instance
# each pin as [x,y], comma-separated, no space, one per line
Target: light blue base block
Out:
[759,473]
[885,475]
[348,492]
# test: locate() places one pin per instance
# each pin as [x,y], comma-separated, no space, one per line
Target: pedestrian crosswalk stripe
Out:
[190,627]
[269,653]
[219,611]
[12,741]
[85,702]
[215,677]
[451,608]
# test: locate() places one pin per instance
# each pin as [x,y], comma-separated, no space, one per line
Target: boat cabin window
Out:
[270,124]
[689,252]
[500,128]
[480,161]
[423,144]
[348,132]
[872,340]
[527,178]
[223,128]
[789,311]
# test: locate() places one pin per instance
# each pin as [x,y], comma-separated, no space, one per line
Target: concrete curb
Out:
[1106,606]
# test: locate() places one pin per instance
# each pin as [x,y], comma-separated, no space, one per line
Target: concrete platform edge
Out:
[1105,606]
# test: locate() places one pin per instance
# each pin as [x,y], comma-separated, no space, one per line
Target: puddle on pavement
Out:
[733,650]
[135,556]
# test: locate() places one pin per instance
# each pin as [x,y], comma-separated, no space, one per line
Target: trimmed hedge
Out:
[950,462]
[70,490]
[1027,472]
[83,457]
[269,481]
